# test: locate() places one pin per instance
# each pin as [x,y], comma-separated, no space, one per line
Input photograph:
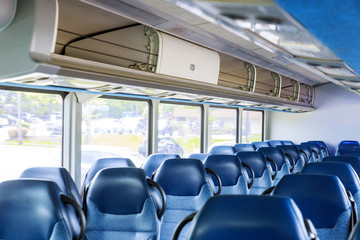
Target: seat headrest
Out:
[352,160]
[181,177]
[228,168]
[256,160]
[313,145]
[222,150]
[320,143]
[154,161]
[305,148]
[30,209]
[260,144]
[107,163]
[119,190]
[274,143]
[321,198]
[276,154]
[343,171]
[244,147]
[248,217]
[59,175]
[292,150]
[348,147]
[287,143]
[200,156]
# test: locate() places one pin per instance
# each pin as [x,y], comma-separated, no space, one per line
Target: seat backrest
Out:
[294,152]
[248,217]
[260,144]
[33,209]
[154,161]
[200,156]
[278,156]
[59,175]
[355,233]
[274,143]
[120,205]
[307,150]
[244,147]
[315,147]
[187,188]
[322,199]
[234,179]
[322,145]
[354,161]
[106,163]
[346,147]
[287,142]
[262,170]
[222,150]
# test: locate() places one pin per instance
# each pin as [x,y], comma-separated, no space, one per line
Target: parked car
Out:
[165,145]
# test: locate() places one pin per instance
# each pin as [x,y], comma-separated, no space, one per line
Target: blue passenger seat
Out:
[222,150]
[120,204]
[234,178]
[343,171]
[321,152]
[38,209]
[274,143]
[346,147]
[244,147]
[59,175]
[352,160]
[323,146]
[200,156]
[278,156]
[293,153]
[154,161]
[263,171]
[322,199]
[187,188]
[355,233]
[260,144]
[307,152]
[287,143]
[250,217]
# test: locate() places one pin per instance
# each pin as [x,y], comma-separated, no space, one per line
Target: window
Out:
[179,129]
[30,131]
[114,128]
[222,126]
[252,126]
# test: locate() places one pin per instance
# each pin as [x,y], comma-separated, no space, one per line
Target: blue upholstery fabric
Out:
[106,163]
[346,147]
[287,143]
[187,188]
[322,199]
[260,144]
[278,156]
[262,170]
[248,217]
[222,150]
[323,145]
[244,147]
[355,233]
[295,153]
[119,205]
[343,171]
[154,161]
[32,209]
[200,156]
[339,32]
[59,175]
[233,177]
[274,143]
[352,160]
[308,151]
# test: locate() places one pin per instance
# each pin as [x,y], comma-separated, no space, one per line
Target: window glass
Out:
[252,125]
[222,126]
[179,129]
[113,128]
[30,131]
